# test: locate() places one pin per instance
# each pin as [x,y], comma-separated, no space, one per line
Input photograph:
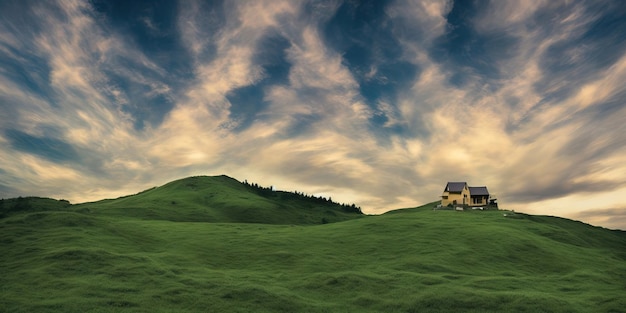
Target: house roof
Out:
[455,186]
[478,191]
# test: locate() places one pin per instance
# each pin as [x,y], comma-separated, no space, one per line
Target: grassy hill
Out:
[30,204]
[96,258]
[223,199]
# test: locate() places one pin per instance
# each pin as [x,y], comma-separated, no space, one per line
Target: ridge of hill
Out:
[415,260]
[31,204]
[222,199]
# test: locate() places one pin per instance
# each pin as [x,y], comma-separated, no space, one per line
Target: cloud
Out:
[496,15]
[77,117]
[613,218]
[378,103]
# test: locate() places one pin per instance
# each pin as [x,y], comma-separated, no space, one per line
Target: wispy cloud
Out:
[369,102]
[77,107]
[613,218]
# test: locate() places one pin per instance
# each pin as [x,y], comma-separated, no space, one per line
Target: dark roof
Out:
[478,191]
[455,186]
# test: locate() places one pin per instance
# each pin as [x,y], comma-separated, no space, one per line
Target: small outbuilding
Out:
[479,196]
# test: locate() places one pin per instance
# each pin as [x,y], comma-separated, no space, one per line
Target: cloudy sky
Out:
[374,102]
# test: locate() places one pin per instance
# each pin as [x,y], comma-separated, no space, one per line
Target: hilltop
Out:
[31,204]
[98,257]
[217,199]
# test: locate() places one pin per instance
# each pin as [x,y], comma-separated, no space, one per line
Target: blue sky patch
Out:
[363,34]
[52,149]
[381,102]
[248,101]
[471,57]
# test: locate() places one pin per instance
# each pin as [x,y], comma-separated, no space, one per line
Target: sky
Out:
[378,103]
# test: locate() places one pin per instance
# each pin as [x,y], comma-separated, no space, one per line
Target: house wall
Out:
[460,198]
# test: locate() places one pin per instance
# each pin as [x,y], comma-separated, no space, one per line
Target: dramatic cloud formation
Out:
[374,102]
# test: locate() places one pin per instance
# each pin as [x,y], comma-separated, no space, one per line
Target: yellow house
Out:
[459,193]
[456,193]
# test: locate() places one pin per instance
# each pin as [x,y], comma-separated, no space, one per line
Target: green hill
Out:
[97,258]
[30,204]
[225,200]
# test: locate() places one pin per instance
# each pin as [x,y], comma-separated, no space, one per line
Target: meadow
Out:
[98,257]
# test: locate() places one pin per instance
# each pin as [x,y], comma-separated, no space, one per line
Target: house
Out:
[479,196]
[456,193]
[459,193]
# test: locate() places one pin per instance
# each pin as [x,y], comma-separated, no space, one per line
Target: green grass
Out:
[221,199]
[414,260]
[20,205]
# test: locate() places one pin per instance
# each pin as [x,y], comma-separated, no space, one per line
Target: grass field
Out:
[86,259]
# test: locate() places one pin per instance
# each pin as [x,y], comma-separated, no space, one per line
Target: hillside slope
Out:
[222,199]
[416,260]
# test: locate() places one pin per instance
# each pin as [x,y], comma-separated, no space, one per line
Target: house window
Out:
[445,197]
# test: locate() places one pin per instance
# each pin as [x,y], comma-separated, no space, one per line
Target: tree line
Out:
[270,192]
